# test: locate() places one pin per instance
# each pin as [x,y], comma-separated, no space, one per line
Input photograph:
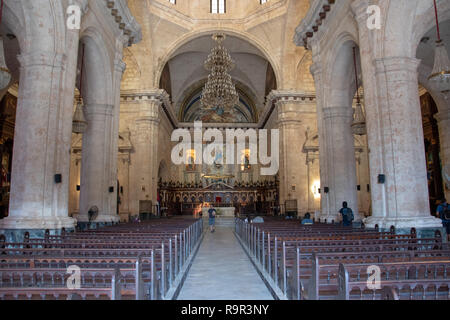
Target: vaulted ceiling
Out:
[185,74]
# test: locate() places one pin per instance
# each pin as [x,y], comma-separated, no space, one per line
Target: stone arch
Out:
[341,71]
[97,75]
[199,33]
[425,21]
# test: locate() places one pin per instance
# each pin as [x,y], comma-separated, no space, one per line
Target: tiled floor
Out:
[222,271]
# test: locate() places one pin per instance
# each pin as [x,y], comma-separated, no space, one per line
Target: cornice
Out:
[124,20]
[312,22]
[156,94]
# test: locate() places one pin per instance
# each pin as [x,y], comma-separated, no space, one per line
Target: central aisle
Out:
[222,271]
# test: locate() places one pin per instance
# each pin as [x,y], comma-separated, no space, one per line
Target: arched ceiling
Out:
[186,71]
[427,46]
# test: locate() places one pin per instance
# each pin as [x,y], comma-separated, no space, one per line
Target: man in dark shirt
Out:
[347,215]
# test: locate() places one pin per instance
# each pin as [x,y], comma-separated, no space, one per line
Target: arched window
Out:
[218,6]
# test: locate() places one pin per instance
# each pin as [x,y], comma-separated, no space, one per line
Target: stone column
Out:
[119,69]
[96,164]
[373,124]
[407,202]
[37,202]
[317,73]
[341,162]
[145,164]
[443,119]
[295,115]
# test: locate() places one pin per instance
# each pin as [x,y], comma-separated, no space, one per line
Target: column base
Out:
[18,235]
[428,222]
[44,223]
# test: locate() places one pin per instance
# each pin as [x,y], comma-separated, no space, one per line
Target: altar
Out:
[221,211]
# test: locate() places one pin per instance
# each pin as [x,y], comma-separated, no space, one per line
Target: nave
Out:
[178,258]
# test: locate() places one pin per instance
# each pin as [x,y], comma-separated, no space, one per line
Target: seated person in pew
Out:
[347,215]
[307,219]
[443,212]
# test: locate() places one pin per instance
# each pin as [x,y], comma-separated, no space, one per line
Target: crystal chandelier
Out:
[79,123]
[219,93]
[359,120]
[441,70]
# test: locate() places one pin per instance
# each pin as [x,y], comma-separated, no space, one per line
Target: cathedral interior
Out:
[348,100]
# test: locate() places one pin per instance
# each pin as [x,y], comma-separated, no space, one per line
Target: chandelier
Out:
[441,70]
[359,120]
[219,93]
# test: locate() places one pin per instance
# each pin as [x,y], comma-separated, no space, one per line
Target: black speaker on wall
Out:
[111,189]
[381,178]
[58,178]
[358,187]
[326,189]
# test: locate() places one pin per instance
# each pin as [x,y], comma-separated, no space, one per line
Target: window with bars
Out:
[173,1]
[263,1]
[218,6]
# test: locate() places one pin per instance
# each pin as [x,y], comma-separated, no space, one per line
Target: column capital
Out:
[120,66]
[42,58]
[443,115]
[359,9]
[396,64]
[338,112]
[316,69]
[98,109]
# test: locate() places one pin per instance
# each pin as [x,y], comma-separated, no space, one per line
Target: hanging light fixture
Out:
[219,93]
[79,123]
[5,74]
[441,70]
[359,120]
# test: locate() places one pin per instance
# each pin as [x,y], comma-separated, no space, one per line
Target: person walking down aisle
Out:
[212,218]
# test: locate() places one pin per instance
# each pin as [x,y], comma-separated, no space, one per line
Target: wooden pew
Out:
[111,289]
[431,277]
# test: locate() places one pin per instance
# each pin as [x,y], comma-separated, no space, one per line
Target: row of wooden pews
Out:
[126,261]
[329,261]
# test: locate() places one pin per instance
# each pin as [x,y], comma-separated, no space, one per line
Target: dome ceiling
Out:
[186,75]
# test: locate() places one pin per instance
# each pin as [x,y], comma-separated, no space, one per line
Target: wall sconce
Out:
[315,188]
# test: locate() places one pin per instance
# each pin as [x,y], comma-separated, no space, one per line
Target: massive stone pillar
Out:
[317,73]
[443,118]
[373,124]
[296,116]
[406,188]
[145,159]
[341,180]
[119,68]
[96,164]
[38,201]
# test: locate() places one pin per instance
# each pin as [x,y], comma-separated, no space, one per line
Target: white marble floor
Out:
[222,271]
